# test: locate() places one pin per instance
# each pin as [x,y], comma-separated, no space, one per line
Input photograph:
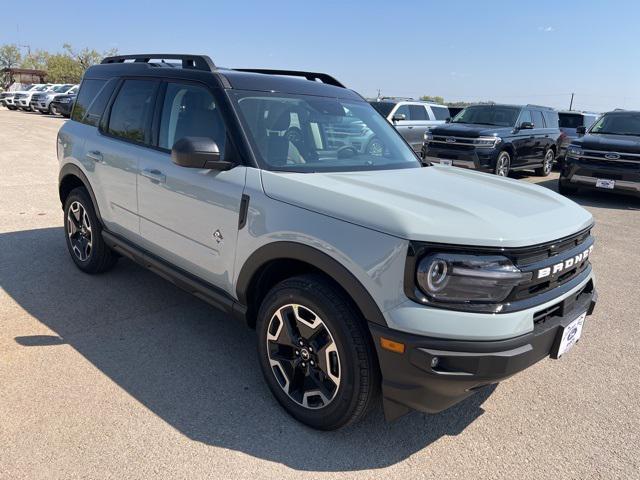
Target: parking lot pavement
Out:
[122,375]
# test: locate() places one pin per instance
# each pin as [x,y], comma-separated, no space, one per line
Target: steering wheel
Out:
[346,151]
[294,135]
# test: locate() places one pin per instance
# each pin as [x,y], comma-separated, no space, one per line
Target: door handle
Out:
[95,155]
[154,175]
[410,128]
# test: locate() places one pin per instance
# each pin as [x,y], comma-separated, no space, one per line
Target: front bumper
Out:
[411,383]
[22,103]
[585,173]
[483,159]
[63,108]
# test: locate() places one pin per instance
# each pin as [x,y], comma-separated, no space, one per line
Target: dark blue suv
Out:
[496,139]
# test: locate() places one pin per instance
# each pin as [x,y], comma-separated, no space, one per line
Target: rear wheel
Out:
[83,233]
[503,164]
[547,164]
[316,354]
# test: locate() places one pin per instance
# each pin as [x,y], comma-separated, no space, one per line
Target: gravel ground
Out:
[124,376]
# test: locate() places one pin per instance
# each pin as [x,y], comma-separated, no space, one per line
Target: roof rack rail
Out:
[313,76]
[193,62]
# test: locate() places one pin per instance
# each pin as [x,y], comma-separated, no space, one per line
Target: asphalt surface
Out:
[122,375]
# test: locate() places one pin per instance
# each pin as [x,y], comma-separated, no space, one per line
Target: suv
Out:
[7,98]
[411,118]
[42,101]
[22,99]
[496,139]
[359,271]
[607,157]
[570,121]
[62,104]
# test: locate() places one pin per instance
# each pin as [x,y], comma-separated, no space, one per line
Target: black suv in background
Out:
[497,139]
[570,121]
[607,157]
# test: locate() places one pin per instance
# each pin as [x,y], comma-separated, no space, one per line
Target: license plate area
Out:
[568,336]
[605,183]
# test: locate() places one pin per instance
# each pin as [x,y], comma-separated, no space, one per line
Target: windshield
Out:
[623,123]
[304,133]
[41,88]
[488,115]
[73,90]
[62,88]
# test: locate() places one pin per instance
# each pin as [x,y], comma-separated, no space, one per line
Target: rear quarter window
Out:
[88,91]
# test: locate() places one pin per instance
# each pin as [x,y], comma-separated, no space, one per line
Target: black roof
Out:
[201,67]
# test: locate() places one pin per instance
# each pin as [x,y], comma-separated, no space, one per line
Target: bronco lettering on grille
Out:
[564,265]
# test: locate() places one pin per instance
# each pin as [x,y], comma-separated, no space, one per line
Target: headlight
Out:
[487,142]
[64,100]
[574,151]
[461,278]
[428,136]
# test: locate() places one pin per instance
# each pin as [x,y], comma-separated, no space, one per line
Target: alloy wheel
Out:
[548,162]
[502,167]
[79,231]
[303,356]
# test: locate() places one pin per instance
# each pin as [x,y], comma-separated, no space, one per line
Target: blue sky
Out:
[507,51]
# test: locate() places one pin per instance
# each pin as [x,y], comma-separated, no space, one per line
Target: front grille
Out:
[19,95]
[610,157]
[564,251]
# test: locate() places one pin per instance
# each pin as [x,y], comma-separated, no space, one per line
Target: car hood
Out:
[614,143]
[436,204]
[469,130]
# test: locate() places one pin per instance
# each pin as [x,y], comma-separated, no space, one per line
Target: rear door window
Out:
[418,112]
[132,110]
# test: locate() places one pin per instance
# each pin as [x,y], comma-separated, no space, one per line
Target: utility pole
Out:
[378,95]
[571,103]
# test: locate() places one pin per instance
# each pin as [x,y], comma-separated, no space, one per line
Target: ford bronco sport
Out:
[360,271]
[497,139]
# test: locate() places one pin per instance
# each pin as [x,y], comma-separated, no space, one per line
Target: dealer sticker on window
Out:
[570,335]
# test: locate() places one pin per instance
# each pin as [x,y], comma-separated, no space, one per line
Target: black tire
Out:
[566,189]
[547,164]
[52,109]
[503,164]
[90,254]
[358,371]
[11,107]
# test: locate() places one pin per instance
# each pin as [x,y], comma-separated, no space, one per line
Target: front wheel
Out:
[315,352]
[547,164]
[503,164]
[83,233]
[565,188]
[52,109]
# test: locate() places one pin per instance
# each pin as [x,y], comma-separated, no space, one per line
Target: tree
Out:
[35,60]
[429,98]
[61,68]
[88,57]
[9,57]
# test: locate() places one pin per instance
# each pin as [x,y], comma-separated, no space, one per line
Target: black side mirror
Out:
[398,117]
[581,130]
[448,120]
[198,152]
[526,126]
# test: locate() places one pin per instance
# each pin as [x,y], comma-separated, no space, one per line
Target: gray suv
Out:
[362,272]
[411,118]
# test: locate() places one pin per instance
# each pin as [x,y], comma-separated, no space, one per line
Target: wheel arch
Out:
[70,177]
[278,260]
